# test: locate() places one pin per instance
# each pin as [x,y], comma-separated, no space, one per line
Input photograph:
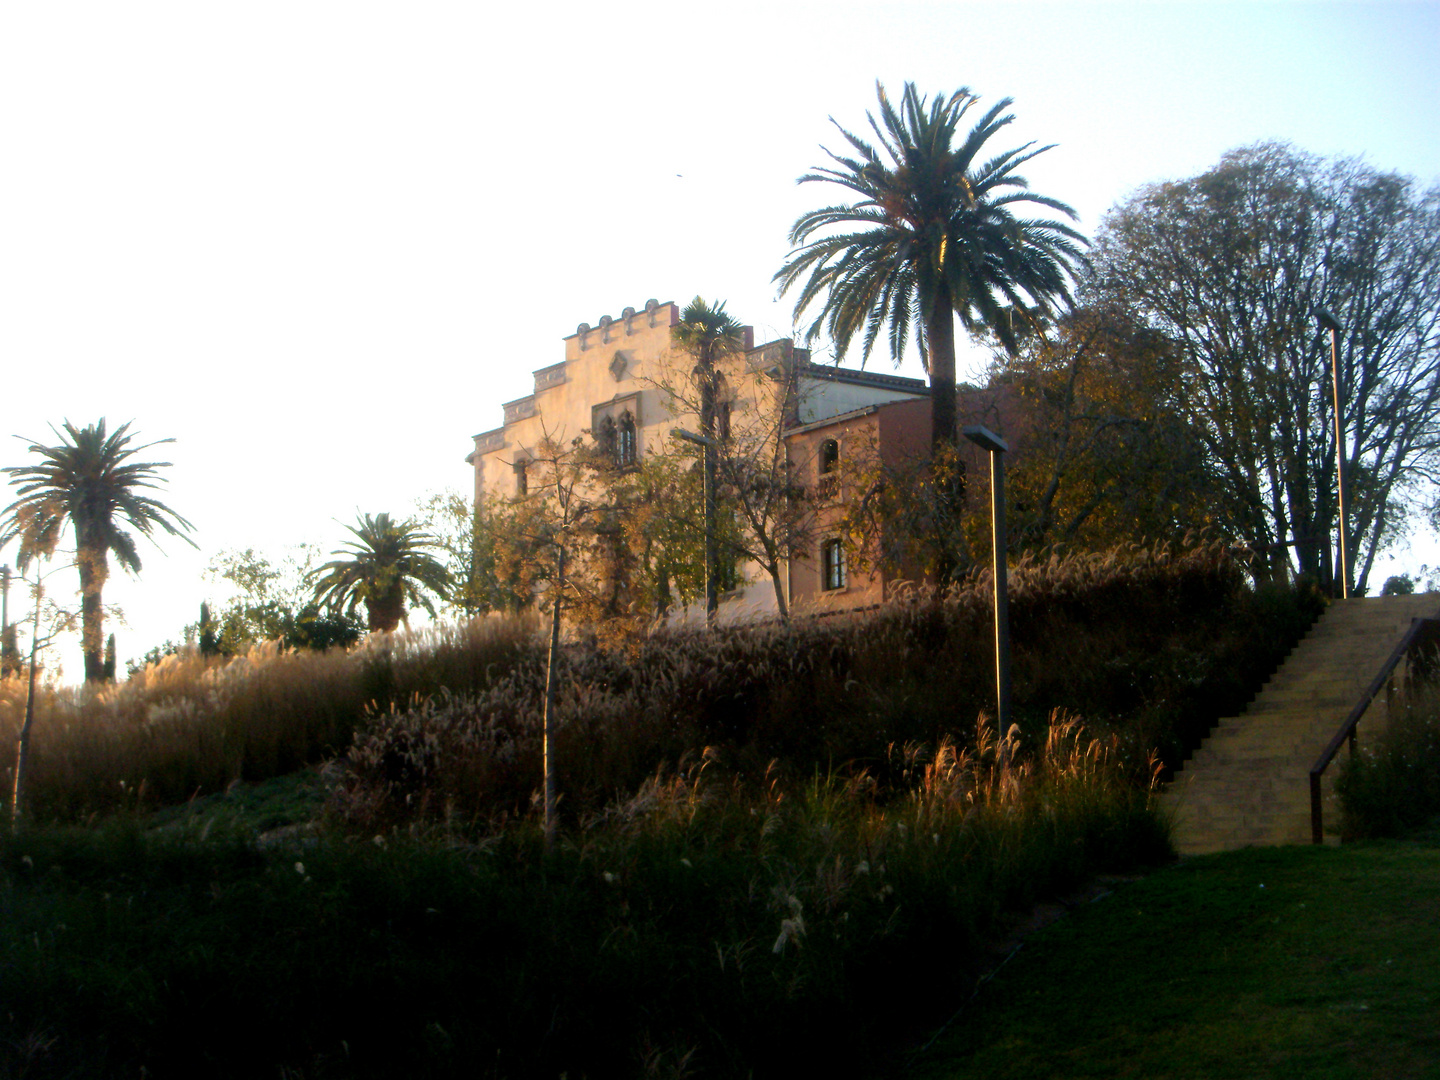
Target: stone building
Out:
[612,386]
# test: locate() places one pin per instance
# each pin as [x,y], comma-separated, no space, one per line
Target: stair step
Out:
[1248,783]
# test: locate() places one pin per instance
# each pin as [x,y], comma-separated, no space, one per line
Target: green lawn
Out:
[1292,962]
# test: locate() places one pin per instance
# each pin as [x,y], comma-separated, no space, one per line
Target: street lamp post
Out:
[1329,322]
[709,445]
[997,446]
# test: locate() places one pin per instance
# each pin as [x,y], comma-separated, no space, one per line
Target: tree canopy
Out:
[932,234]
[386,567]
[1230,266]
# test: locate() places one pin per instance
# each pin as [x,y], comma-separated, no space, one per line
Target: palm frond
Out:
[929,230]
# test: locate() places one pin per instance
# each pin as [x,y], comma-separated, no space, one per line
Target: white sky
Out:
[320,243]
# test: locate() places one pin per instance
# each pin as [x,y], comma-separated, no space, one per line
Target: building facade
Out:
[623,383]
[894,435]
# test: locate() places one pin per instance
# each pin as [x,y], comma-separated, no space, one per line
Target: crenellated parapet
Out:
[653,316]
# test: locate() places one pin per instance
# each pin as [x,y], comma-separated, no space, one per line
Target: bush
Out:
[1392,785]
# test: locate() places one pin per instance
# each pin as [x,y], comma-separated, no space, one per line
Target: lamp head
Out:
[1328,321]
[986,438]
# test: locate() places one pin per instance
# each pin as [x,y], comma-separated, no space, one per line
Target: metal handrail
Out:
[1428,629]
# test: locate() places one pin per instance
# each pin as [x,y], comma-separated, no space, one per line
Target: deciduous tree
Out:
[1230,266]
[1105,453]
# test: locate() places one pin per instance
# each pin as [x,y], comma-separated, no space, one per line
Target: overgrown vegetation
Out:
[702,927]
[1148,645]
[767,830]
[1145,644]
[1392,784]
[190,725]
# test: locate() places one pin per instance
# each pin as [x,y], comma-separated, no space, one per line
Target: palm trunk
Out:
[940,341]
[94,569]
[383,613]
[950,494]
[707,428]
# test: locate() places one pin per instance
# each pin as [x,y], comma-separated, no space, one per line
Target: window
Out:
[522,482]
[828,485]
[625,442]
[605,437]
[832,561]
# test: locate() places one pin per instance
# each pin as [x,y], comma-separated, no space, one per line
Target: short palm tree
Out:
[709,334]
[386,567]
[932,233]
[90,483]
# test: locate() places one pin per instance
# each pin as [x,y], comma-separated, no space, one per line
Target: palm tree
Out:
[90,483]
[385,568]
[932,233]
[709,334]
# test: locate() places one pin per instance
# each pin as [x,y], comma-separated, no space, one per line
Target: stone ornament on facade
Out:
[628,314]
[605,322]
[651,308]
[519,409]
[490,440]
[582,332]
[550,376]
[618,365]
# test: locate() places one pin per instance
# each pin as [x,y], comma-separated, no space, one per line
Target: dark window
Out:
[625,442]
[832,560]
[605,437]
[522,482]
[829,480]
[722,420]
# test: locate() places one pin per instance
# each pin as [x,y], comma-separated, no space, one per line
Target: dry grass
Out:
[191,725]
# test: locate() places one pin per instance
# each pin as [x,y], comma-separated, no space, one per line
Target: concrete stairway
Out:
[1249,783]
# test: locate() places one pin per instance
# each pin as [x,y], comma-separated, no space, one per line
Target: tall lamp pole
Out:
[712,560]
[1329,322]
[988,440]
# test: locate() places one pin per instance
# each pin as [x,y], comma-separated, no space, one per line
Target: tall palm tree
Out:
[709,334]
[385,568]
[932,233]
[90,483]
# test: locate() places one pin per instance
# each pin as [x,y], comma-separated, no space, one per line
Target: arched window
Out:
[625,442]
[522,479]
